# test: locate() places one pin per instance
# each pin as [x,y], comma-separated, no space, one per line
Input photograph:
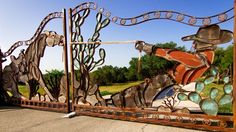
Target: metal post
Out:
[66,62]
[1,68]
[71,58]
[234,68]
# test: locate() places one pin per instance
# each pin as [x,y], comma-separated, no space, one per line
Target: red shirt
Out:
[191,67]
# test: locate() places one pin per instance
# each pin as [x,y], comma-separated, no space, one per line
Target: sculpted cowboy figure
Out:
[191,65]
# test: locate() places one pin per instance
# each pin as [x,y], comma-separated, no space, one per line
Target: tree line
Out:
[150,66]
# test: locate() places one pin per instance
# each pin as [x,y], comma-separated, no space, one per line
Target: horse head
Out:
[54,39]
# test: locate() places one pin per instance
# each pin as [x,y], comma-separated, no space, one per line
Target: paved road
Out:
[13,119]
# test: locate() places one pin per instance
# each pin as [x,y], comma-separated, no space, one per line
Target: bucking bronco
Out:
[29,64]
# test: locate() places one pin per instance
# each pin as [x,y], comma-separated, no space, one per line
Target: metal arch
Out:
[155,15]
[39,30]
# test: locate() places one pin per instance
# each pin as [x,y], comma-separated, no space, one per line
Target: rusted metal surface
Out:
[1,55]
[196,121]
[65,54]
[71,57]
[40,105]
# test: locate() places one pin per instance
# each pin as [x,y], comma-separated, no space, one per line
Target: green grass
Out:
[116,87]
[25,92]
[103,93]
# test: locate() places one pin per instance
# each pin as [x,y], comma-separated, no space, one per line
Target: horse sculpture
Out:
[28,62]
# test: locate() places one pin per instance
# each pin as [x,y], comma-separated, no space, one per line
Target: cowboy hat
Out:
[211,34]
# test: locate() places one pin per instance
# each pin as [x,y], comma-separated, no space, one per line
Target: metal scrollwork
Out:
[167,117]
[206,122]
[222,124]
[169,15]
[179,119]
[193,120]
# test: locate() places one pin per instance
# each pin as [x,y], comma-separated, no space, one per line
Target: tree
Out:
[108,74]
[120,76]
[103,75]
[219,54]
[52,79]
[151,65]
[132,74]
[223,58]
[227,60]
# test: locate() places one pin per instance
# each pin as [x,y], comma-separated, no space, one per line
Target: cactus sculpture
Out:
[84,54]
[210,105]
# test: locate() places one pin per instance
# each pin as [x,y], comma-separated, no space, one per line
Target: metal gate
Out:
[25,68]
[135,103]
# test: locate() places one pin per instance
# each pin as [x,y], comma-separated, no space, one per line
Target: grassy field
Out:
[25,92]
[116,87]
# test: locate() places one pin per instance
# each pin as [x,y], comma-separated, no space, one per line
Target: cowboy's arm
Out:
[188,59]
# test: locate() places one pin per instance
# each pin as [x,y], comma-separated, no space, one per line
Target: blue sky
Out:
[20,19]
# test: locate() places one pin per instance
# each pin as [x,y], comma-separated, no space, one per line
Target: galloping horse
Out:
[32,57]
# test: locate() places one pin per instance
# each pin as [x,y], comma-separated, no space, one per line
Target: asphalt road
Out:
[14,119]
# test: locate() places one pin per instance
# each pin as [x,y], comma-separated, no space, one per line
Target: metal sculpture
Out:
[210,105]
[159,14]
[136,102]
[142,95]
[83,55]
[10,75]
[192,66]
[26,67]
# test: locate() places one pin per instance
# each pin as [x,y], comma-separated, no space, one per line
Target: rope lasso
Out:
[107,42]
[115,42]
